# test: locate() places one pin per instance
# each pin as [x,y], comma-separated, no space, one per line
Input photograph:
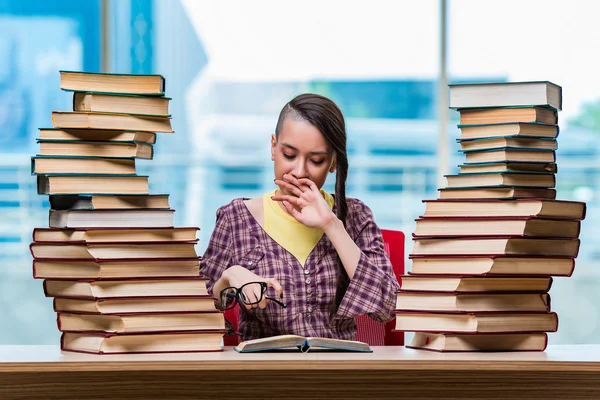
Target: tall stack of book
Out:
[124,280]
[485,252]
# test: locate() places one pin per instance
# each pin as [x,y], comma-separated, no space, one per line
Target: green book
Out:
[147,84]
[82,164]
[508,167]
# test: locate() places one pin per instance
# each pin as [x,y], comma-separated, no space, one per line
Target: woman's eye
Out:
[318,162]
[288,156]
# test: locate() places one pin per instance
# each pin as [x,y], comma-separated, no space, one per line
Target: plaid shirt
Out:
[308,290]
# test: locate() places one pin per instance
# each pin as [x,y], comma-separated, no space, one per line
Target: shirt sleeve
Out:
[217,257]
[372,290]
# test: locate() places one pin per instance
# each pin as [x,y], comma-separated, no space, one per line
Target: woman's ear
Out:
[333,164]
[273,144]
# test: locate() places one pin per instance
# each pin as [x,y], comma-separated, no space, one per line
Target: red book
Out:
[455,342]
[113,250]
[141,322]
[171,342]
[193,286]
[479,322]
[100,235]
[116,269]
[485,265]
[474,284]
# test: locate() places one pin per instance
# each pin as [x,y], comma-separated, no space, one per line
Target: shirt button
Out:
[307,281]
[306,272]
[309,309]
[250,262]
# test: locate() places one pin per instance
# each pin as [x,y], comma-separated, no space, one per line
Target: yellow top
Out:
[296,238]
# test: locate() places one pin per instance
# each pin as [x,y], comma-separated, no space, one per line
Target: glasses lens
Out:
[252,293]
[228,298]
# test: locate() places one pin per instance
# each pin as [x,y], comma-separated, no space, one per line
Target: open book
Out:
[304,344]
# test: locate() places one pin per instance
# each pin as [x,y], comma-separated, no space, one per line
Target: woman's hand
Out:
[238,276]
[307,204]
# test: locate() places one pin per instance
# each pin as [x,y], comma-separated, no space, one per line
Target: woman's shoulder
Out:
[358,211]
[234,207]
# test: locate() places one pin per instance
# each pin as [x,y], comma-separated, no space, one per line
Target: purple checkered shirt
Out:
[308,291]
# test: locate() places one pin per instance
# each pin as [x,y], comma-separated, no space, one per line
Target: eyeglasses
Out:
[249,294]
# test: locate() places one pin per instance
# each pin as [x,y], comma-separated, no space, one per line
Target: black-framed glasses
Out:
[249,294]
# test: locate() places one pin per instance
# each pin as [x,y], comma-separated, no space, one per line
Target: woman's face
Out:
[302,151]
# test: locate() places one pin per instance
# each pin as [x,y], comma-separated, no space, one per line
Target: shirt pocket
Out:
[252,260]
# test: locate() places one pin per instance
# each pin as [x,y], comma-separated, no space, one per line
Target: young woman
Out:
[320,258]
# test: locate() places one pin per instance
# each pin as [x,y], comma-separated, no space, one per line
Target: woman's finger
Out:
[292,188]
[293,180]
[291,210]
[251,297]
[274,283]
[296,201]
[309,183]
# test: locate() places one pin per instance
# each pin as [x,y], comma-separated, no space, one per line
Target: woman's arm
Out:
[373,286]
[216,266]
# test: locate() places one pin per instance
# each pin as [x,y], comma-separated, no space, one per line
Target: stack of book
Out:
[123,279]
[485,252]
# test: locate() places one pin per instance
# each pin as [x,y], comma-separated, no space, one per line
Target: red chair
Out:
[367,330]
[376,333]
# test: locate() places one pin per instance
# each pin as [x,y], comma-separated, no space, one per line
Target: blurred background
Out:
[230,65]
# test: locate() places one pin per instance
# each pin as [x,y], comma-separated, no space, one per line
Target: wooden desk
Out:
[43,372]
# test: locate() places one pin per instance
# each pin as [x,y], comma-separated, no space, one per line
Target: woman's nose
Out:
[299,170]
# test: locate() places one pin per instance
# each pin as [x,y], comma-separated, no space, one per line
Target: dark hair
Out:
[326,116]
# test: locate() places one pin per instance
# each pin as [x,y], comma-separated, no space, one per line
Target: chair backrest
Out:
[367,330]
[376,333]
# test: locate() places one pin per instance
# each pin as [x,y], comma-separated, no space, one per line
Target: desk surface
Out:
[49,358]
[44,372]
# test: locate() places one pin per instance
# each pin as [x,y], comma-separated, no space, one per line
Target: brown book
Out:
[455,342]
[508,167]
[112,235]
[510,154]
[103,202]
[97,120]
[496,246]
[469,302]
[492,265]
[92,184]
[115,269]
[126,289]
[130,323]
[93,135]
[509,179]
[118,103]
[514,129]
[127,306]
[505,94]
[82,165]
[477,322]
[497,193]
[113,251]
[475,284]
[508,115]
[495,226]
[507,141]
[555,209]
[135,218]
[174,342]
[112,83]
[95,149]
